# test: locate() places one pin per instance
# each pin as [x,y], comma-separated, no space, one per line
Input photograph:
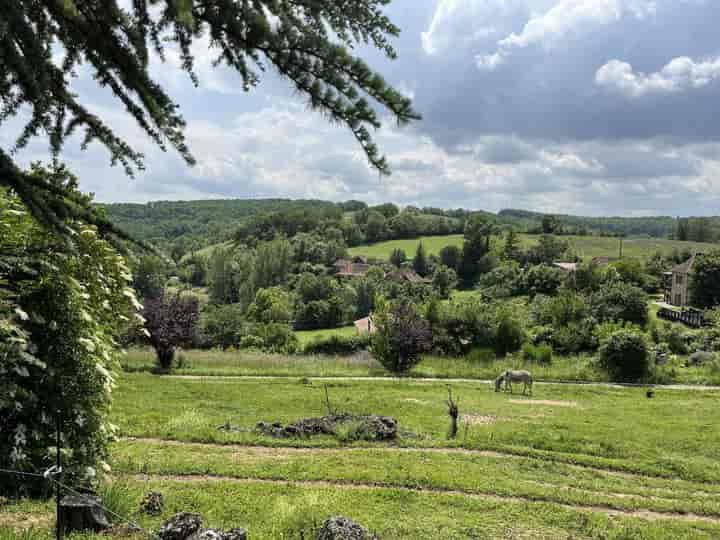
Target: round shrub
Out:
[508,336]
[252,342]
[700,358]
[624,354]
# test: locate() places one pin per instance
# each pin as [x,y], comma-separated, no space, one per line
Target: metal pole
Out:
[58,464]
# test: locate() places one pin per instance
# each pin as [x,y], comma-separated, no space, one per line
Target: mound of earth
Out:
[369,427]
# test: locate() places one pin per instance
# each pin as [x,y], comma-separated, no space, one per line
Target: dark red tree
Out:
[172,322]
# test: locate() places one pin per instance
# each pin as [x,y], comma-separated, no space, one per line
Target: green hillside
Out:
[586,246]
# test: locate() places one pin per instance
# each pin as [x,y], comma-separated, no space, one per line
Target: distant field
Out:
[306,336]
[432,244]
[206,251]
[586,246]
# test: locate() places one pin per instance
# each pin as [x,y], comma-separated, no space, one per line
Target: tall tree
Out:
[308,42]
[705,280]
[478,232]
[420,261]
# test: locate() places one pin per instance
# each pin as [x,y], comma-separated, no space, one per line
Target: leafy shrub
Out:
[539,354]
[508,334]
[604,330]
[338,345]
[462,325]
[401,337]
[276,338]
[624,354]
[222,326]
[60,313]
[700,358]
[619,301]
[541,279]
[252,342]
[574,337]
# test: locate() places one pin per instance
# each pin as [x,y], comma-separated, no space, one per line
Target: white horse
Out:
[510,377]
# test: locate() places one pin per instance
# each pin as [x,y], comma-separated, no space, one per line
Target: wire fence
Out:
[49,475]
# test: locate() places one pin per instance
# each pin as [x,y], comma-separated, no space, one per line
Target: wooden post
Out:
[58,464]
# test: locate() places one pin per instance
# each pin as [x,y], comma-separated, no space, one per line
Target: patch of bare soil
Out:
[23,520]
[478,419]
[544,402]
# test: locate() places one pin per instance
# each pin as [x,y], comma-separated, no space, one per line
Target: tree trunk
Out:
[82,513]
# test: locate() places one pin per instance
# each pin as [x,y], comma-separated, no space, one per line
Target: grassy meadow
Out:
[571,461]
[586,246]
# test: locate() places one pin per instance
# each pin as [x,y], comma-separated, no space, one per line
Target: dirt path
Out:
[649,515]
[208,378]
[286,451]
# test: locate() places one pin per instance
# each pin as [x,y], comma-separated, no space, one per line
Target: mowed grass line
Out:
[586,246]
[278,511]
[423,470]
[671,435]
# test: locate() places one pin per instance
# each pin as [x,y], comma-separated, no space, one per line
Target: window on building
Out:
[678,299]
[678,279]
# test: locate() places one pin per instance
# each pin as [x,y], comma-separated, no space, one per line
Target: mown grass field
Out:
[480,364]
[572,461]
[586,246]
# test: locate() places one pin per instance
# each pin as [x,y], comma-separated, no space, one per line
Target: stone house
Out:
[677,283]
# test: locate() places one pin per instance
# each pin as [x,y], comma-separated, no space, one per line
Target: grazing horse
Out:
[510,377]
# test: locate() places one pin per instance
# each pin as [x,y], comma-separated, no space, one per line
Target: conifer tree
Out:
[308,42]
[420,261]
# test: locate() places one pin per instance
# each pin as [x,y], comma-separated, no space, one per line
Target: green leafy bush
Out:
[222,325]
[508,334]
[624,354]
[619,301]
[61,312]
[338,345]
[252,342]
[539,354]
[402,336]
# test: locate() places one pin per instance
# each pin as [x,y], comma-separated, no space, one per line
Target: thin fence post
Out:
[58,464]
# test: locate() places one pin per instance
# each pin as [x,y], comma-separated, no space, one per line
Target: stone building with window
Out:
[677,283]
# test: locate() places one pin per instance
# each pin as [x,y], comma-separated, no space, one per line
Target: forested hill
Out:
[183,226]
[211,220]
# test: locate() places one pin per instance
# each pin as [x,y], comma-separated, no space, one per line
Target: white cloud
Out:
[460,22]
[566,17]
[680,74]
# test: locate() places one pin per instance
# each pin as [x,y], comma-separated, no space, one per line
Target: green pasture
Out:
[586,246]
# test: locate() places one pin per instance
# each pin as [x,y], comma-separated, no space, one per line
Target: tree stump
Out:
[82,513]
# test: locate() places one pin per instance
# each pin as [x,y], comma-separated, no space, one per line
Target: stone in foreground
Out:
[82,513]
[342,528]
[152,504]
[180,527]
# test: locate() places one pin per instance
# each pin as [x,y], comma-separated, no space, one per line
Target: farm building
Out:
[365,326]
[677,282]
[355,267]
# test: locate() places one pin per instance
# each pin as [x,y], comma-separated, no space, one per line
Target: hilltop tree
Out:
[308,42]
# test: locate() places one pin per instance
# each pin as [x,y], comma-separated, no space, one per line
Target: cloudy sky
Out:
[575,106]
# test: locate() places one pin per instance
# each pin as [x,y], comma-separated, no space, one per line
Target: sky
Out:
[592,107]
